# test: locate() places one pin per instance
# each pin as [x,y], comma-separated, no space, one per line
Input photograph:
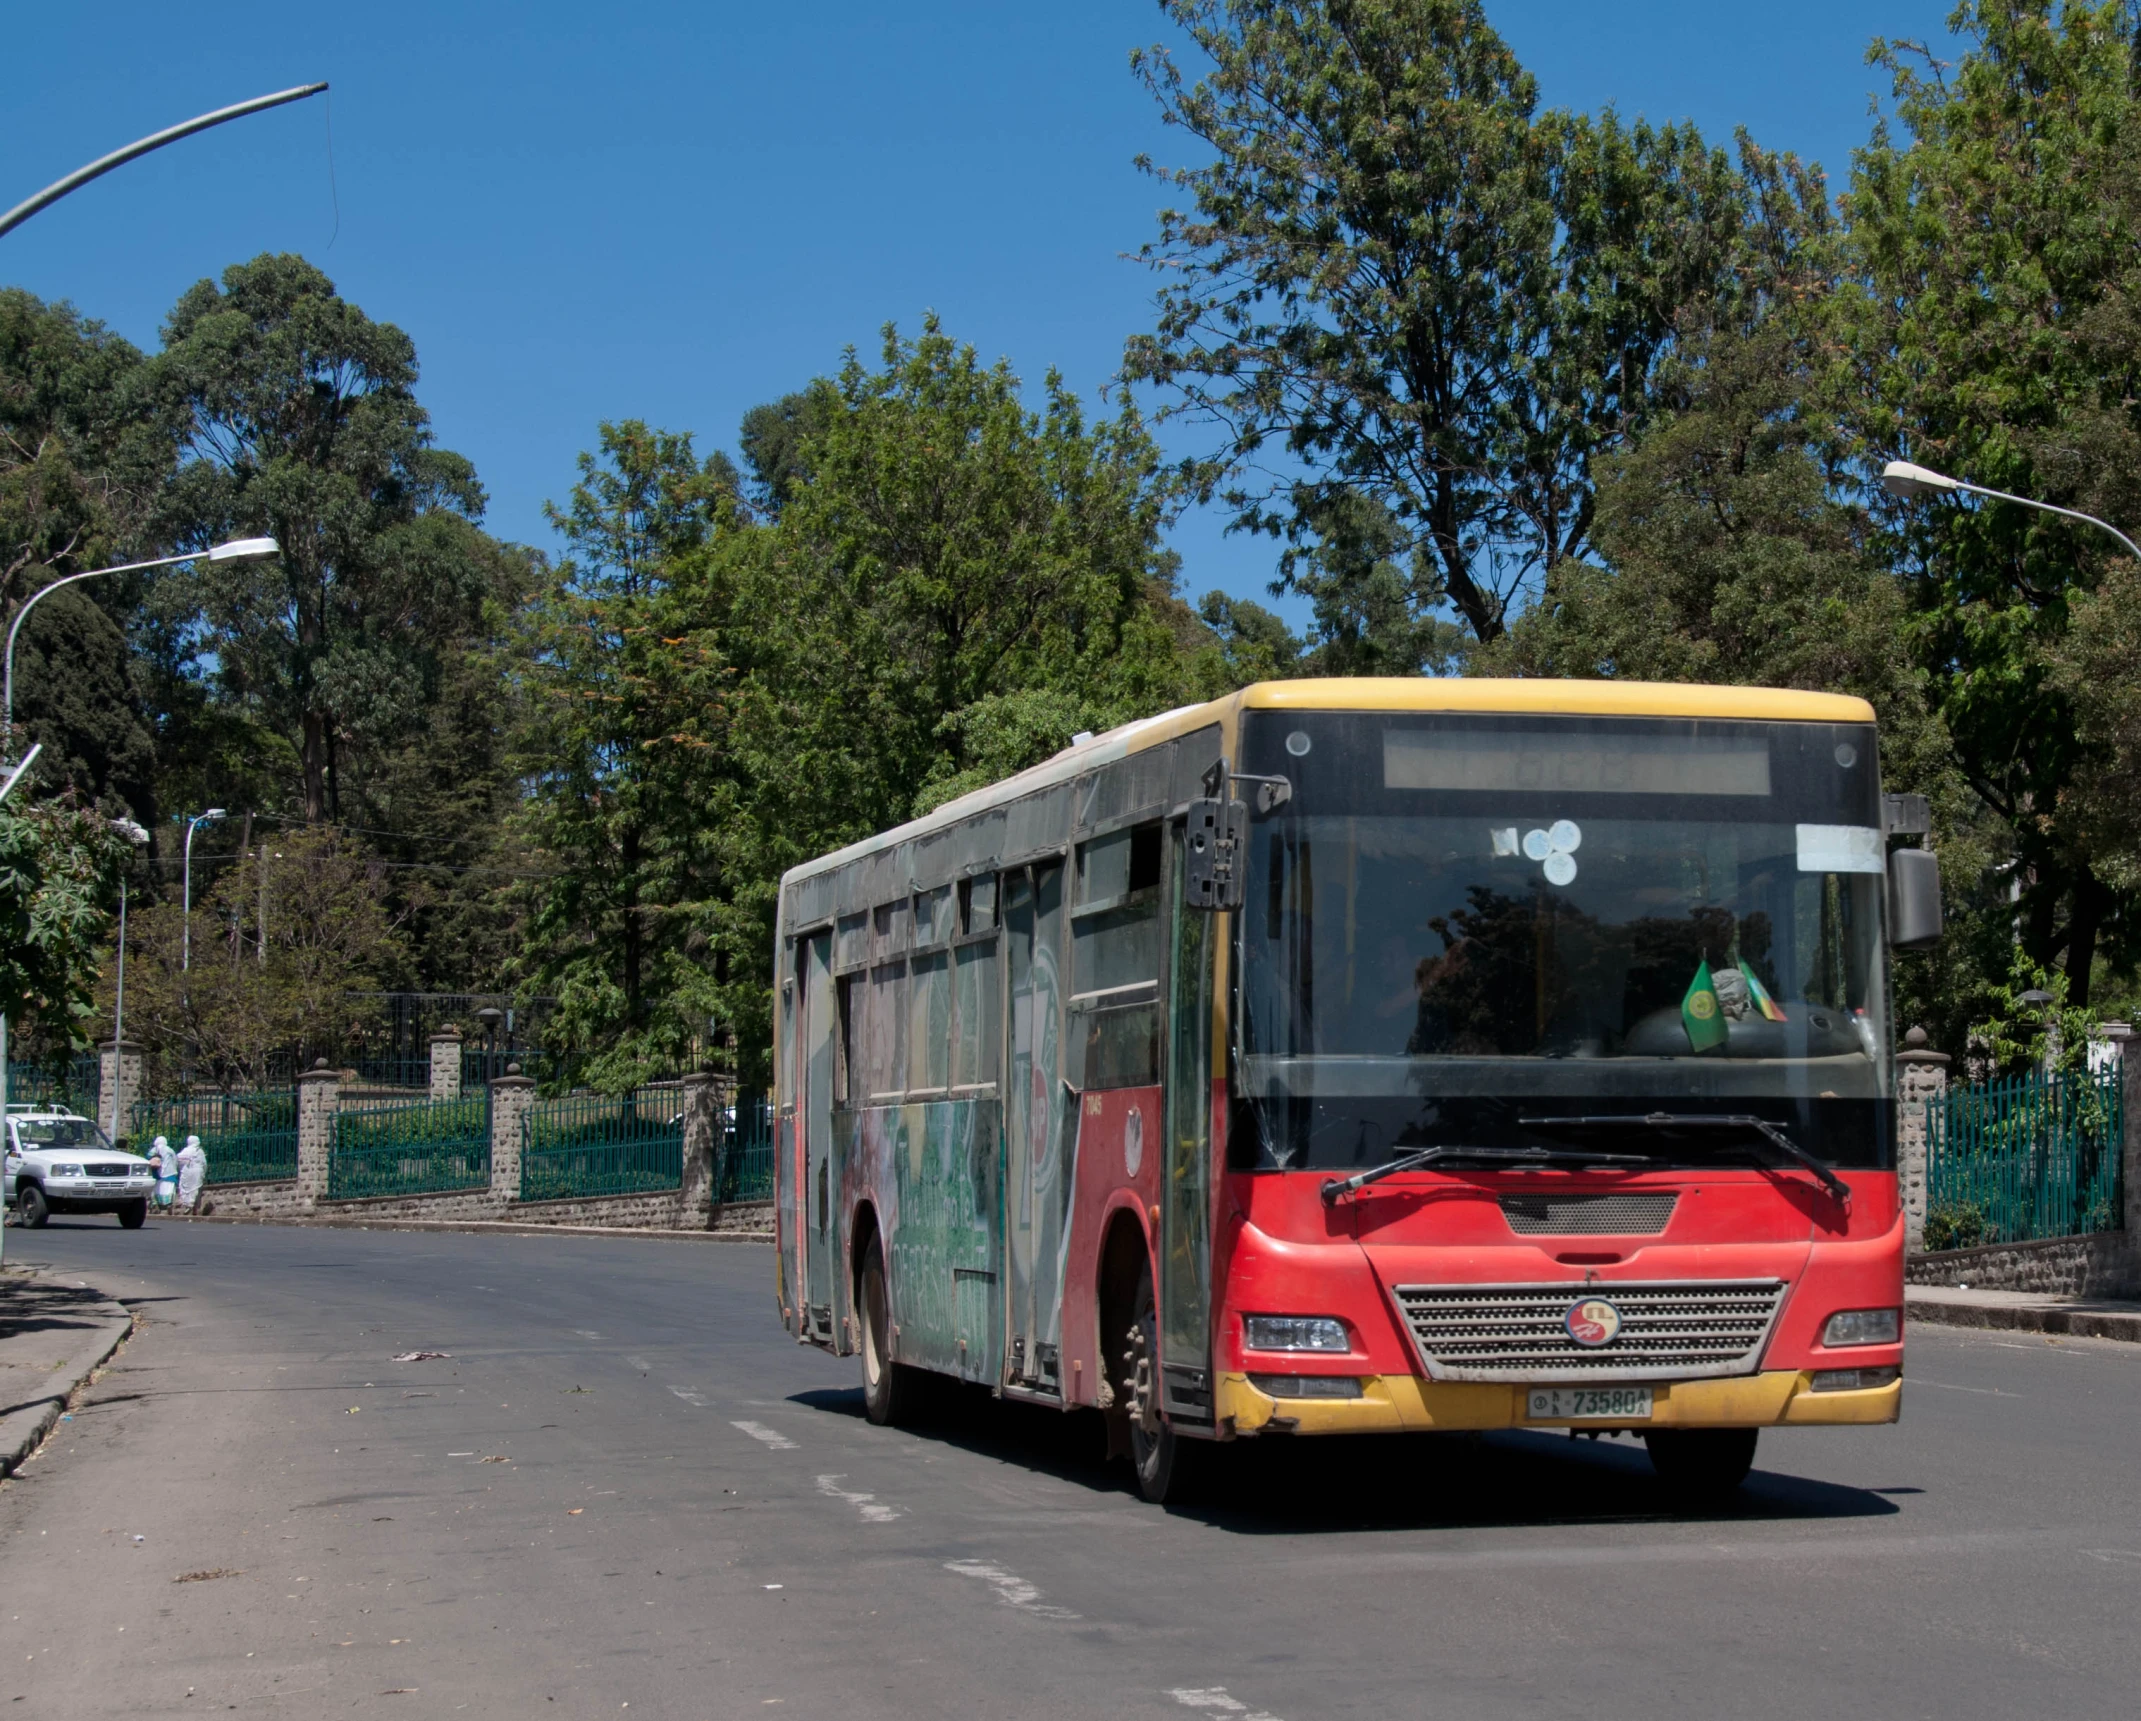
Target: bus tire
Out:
[1167,1466]
[889,1389]
[1701,1466]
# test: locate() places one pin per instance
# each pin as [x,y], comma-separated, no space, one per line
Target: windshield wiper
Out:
[1762,1127]
[1337,1188]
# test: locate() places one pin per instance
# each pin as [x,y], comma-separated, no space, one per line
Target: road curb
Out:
[24,1425]
[2005,1317]
[494,1227]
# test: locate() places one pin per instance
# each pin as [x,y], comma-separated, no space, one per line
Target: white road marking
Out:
[1011,1590]
[1217,1697]
[872,1512]
[1950,1386]
[583,1333]
[759,1431]
[690,1397]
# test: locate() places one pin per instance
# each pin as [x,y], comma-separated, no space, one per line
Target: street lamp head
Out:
[2035,998]
[245,550]
[1901,478]
[209,817]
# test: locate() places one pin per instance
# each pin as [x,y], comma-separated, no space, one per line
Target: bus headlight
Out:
[1864,1327]
[1294,1333]
[1852,1379]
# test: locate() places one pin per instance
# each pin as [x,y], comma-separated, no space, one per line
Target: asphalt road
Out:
[626,1488]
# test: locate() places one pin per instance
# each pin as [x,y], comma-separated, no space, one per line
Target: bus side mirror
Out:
[1217,835]
[1913,899]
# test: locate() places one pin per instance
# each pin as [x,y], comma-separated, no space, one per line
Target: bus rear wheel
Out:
[1702,1466]
[889,1389]
[1167,1466]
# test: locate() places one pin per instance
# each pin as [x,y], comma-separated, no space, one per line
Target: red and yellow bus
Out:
[1350,1056]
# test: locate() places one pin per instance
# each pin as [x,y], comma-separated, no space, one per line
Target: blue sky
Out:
[675,211]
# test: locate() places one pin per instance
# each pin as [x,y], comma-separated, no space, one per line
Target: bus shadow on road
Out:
[1282,1486]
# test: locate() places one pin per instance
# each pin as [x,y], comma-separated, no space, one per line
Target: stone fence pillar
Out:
[120,1075]
[319,1097]
[2130,1149]
[705,1126]
[446,1063]
[512,1098]
[1921,1075]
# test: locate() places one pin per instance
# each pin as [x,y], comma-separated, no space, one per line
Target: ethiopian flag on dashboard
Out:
[1700,1014]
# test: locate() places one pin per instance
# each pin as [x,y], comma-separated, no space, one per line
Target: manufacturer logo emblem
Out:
[1593,1322]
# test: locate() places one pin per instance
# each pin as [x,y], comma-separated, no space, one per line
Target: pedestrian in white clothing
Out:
[192,1173]
[166,1163]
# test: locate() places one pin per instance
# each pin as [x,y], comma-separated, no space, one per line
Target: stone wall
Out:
[2094,1266]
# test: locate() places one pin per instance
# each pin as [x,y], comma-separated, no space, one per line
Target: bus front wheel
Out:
[888,1388]
[1165,1463]
[1702,1466]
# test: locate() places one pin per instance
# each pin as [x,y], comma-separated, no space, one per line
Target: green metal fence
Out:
[410,1149]
[747,1151]
[247,1137]
[603,1144]
[72,1084]
[2023,1157]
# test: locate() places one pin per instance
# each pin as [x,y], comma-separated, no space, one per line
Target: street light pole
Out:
[1901,478]
[237,550]
[134,834]
[185,913]
[81,176]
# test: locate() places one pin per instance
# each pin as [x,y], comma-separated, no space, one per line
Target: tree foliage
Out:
[1991,331]
[1397,278]
[303,425]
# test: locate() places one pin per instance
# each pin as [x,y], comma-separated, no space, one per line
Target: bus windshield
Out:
[1457,922]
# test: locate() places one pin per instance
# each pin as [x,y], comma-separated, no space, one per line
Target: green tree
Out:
[1403,280]
[257,999]
[83,457]
[619,749]
[59,873]
[1993,252]
[303,425]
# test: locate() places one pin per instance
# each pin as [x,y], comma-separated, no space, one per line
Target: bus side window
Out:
[847,1088]
[1115,961]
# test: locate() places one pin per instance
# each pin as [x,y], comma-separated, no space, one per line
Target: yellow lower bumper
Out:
[1394,1404]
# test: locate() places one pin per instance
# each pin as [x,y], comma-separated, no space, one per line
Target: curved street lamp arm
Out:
[2132,549]
[81,176]
[7,721]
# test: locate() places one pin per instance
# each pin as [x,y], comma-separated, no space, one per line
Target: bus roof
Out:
[1392,693]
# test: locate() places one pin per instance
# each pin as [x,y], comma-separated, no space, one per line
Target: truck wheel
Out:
[889,1389]
[133,1214]
[1168,1467]
[1702,1466]
[32,1203]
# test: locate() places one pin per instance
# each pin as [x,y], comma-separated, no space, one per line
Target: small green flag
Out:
[1699,1012]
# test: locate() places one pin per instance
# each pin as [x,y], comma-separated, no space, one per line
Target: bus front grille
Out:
[1521,1332]
[1640,1215]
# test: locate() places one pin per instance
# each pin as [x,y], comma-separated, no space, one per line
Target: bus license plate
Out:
[1587,1404]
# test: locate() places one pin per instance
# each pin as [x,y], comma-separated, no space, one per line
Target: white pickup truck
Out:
[60,1163]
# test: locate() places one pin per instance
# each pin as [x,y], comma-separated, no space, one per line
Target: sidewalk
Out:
[2023,1312]
[55,1332]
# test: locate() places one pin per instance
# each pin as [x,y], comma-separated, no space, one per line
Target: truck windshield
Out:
[1457,920]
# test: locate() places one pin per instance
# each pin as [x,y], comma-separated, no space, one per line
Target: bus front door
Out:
[1036,1174]
[1186,1207]
[814,1118]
